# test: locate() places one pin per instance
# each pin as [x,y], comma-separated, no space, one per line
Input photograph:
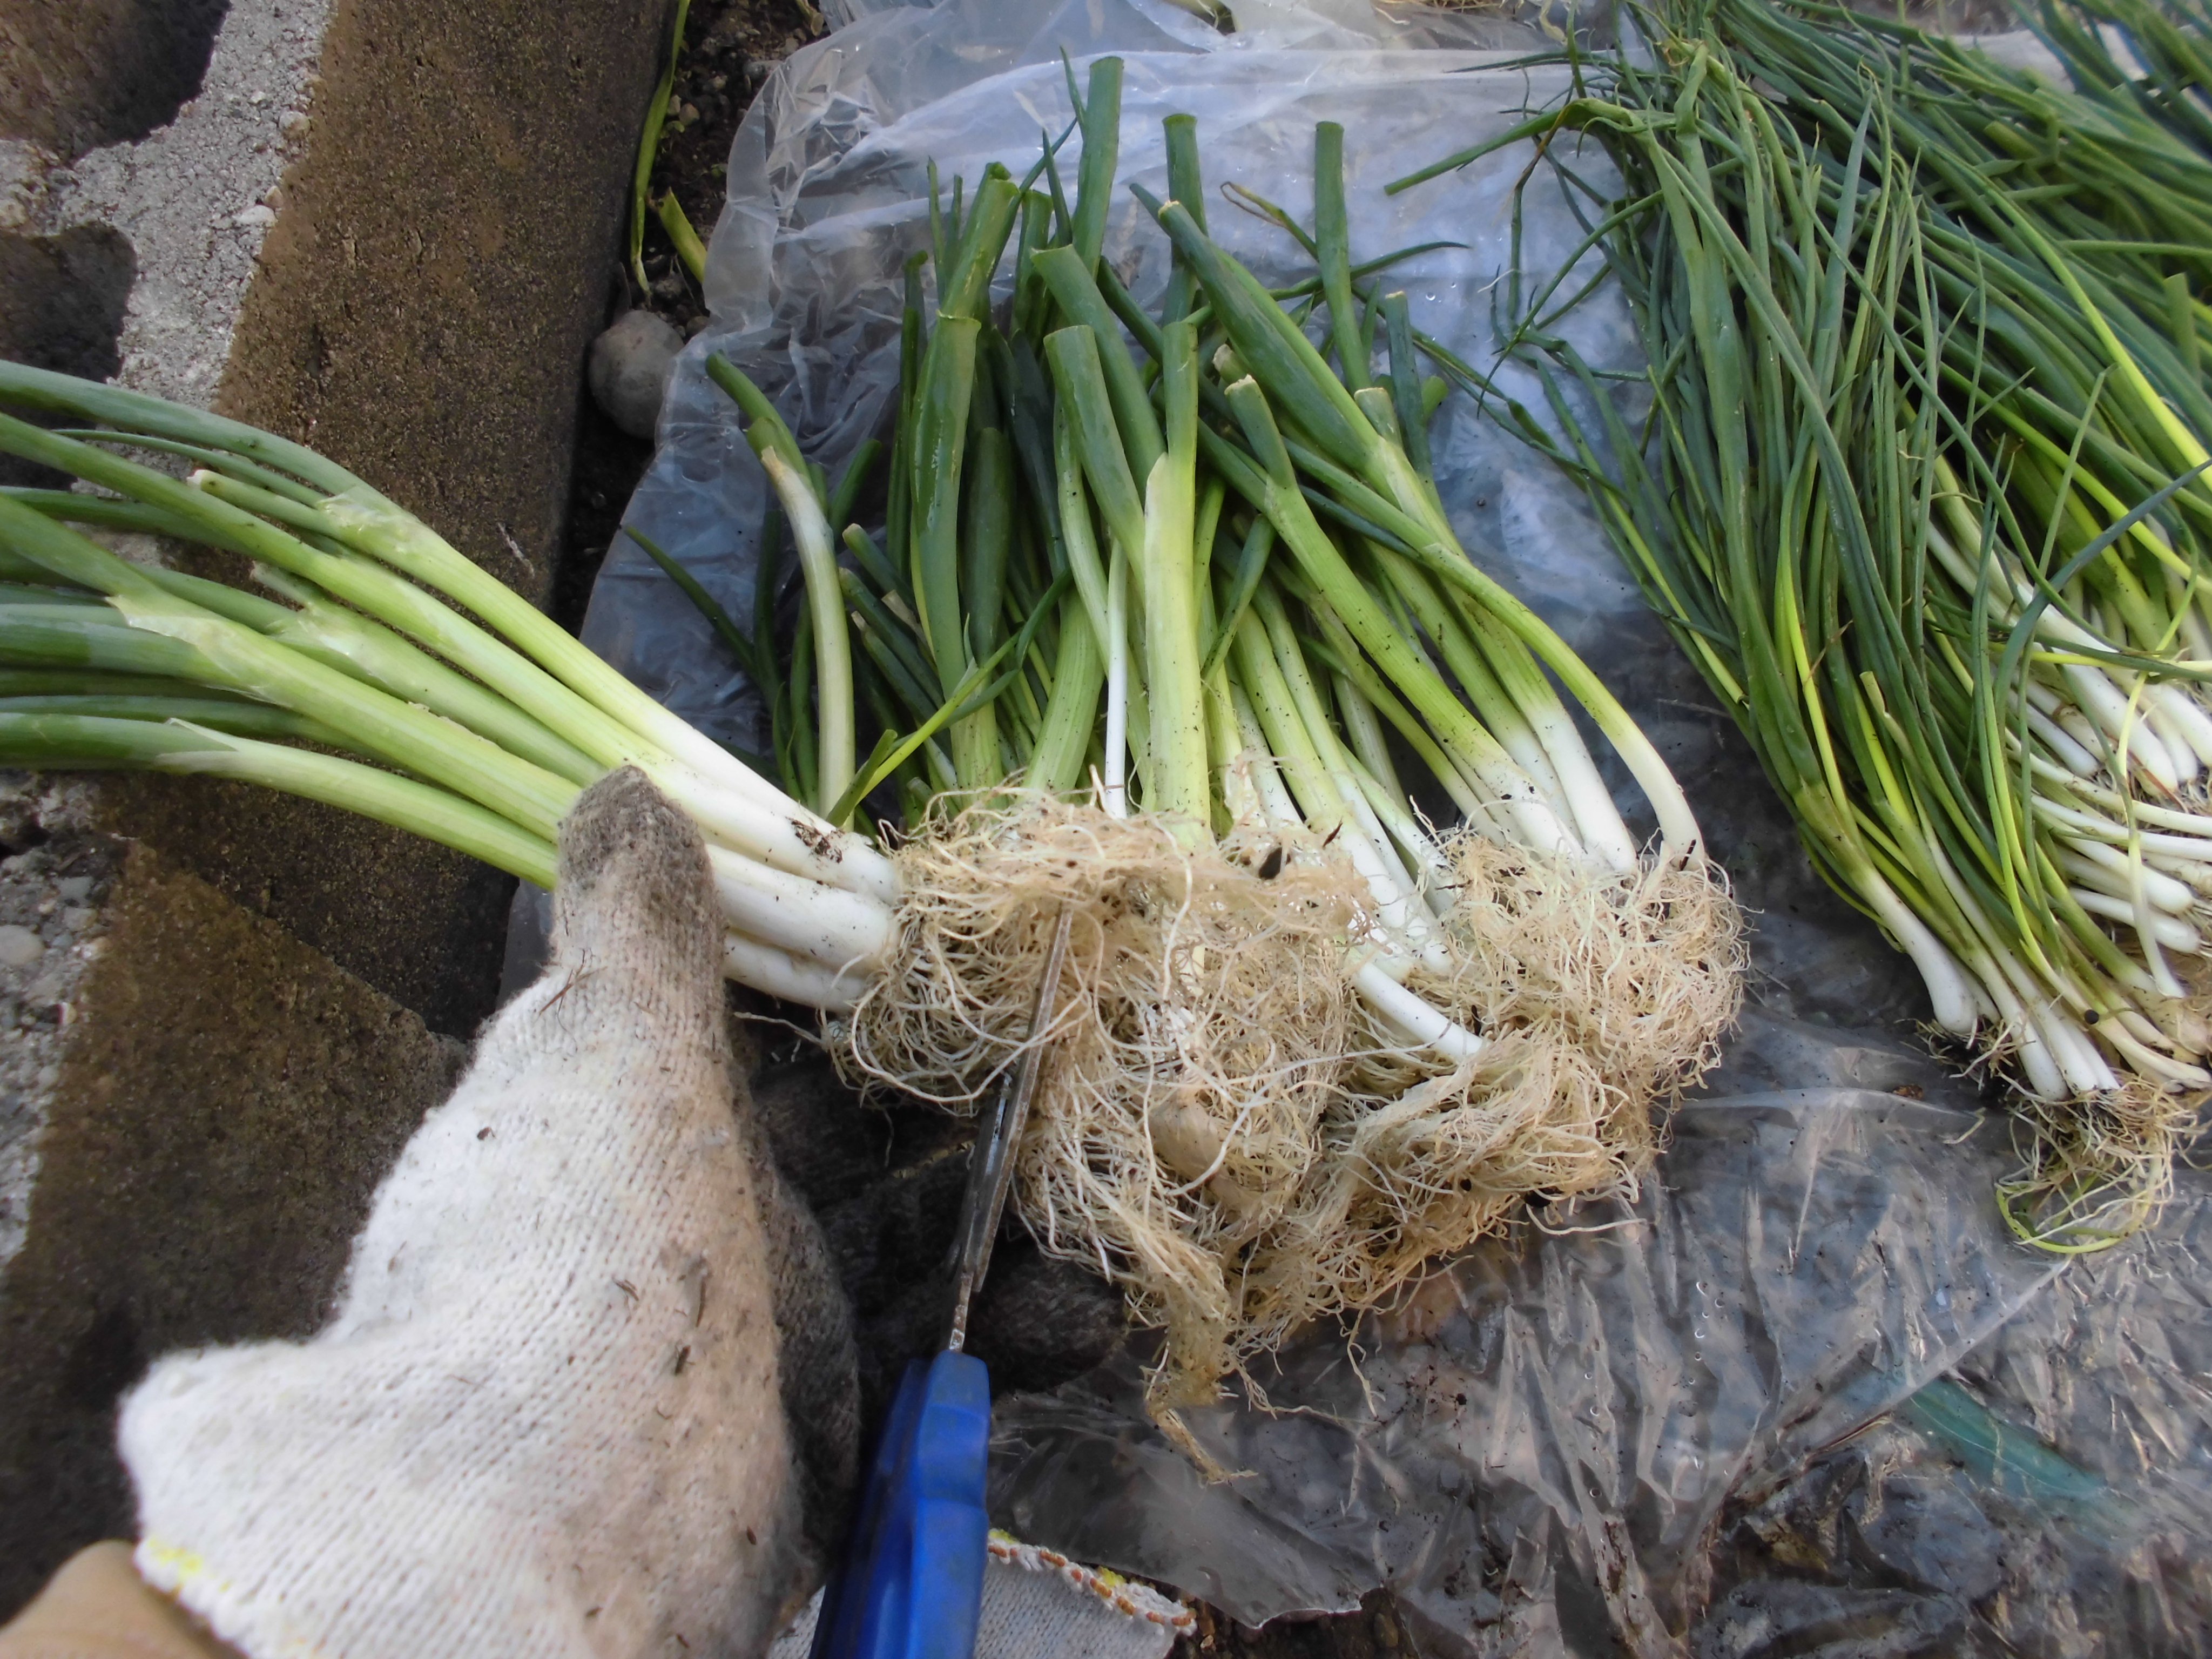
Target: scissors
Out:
[911,1583]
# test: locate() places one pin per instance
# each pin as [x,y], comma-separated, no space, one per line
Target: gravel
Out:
[52,877]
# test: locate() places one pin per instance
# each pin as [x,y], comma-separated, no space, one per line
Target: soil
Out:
[1375,1631]
[729,48]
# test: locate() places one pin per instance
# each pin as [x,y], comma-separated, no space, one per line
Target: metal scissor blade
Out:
[991,1165]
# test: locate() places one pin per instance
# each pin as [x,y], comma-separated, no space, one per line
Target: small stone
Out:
[696,327]
[669,287]
[260,216]
[629,370]
[78,917]
[74,889]
[19,947]
[48,1075]
[691,113]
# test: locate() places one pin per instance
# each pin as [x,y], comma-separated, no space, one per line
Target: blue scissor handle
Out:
[911,1585]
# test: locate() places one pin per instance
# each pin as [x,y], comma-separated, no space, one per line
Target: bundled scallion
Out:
[439,699]
[1923,494]
[1317,1040]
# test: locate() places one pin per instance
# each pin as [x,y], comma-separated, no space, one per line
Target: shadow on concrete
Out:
[94,72]
[60,306]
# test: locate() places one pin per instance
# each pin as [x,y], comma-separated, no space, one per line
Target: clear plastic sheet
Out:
[2049,1497]
[1677,1427]
[1545,1431]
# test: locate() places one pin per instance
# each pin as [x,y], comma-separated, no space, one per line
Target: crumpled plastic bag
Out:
[1804,1396]
[1551,1426]
[2049,1497]
[1805,1393]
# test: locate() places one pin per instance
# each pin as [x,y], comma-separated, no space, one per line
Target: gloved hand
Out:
[546,1419]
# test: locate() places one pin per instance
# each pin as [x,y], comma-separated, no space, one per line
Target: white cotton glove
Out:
[545,1418]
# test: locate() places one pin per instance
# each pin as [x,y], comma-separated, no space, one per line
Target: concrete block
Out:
[384,228]
[216,1103]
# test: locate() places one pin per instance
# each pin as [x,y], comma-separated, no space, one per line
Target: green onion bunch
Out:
[1189,565]
[1136,550]
[1923,491]
[1164,620]
[385,673]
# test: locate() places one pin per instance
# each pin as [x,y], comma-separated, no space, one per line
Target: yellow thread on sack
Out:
[182,1563]
[1124,1596]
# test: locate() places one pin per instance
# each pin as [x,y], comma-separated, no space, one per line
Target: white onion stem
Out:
[808,919]
[2170,930]
[1414,1015]
[1117,684]
[780,974]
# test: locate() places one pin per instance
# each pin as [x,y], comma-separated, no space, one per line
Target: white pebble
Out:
[19,947]
[629,370]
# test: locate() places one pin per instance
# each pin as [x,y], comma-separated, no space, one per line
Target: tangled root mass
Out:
[1222,1126]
